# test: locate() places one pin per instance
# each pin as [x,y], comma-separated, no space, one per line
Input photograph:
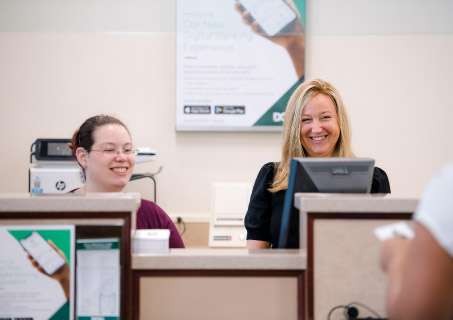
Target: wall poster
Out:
[237,62]
[37,272]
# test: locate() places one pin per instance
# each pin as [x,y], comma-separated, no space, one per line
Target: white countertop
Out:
[222,259]
[325,202]
[113,202]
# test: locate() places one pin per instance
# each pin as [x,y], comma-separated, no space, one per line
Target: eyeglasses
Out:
[109,151]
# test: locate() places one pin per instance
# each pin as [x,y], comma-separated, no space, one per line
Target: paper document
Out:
[98,278]
[398,229]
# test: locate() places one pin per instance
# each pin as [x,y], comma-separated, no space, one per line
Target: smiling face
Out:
[108,171]
[319,129]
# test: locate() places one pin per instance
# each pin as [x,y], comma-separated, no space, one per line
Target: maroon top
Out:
[151,216]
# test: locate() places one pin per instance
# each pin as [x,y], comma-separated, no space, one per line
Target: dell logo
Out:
[340,171]
[278,116]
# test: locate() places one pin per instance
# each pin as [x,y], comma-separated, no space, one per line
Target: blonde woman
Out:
[316,125]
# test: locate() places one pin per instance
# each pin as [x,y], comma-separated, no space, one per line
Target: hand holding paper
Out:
[397,238]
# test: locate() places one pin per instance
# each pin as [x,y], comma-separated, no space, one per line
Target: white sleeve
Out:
[435,210]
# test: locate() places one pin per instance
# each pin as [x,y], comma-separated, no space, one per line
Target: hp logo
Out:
[60,185]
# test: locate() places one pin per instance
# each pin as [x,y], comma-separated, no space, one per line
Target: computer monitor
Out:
[327,175]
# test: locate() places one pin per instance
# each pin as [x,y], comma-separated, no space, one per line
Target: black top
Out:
[264,213]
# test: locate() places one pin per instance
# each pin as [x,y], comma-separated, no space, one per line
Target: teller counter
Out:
[219,284]
[338,264]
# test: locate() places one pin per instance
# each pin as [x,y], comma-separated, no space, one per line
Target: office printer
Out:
[56,169]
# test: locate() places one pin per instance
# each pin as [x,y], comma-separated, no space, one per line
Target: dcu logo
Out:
[278,116]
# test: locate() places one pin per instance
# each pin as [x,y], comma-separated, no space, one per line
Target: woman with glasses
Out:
[106,155]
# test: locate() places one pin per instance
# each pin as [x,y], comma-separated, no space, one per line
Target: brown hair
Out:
[83,137]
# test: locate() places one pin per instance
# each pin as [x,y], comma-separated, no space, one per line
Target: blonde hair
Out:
[292,146]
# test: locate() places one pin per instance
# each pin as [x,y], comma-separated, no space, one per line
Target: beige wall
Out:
[396,87]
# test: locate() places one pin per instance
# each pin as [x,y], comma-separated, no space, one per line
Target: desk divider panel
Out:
[343,262]
[89,225]
[218,294]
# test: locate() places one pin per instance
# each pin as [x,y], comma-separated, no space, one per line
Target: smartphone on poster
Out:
[40,250]
[274,16]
